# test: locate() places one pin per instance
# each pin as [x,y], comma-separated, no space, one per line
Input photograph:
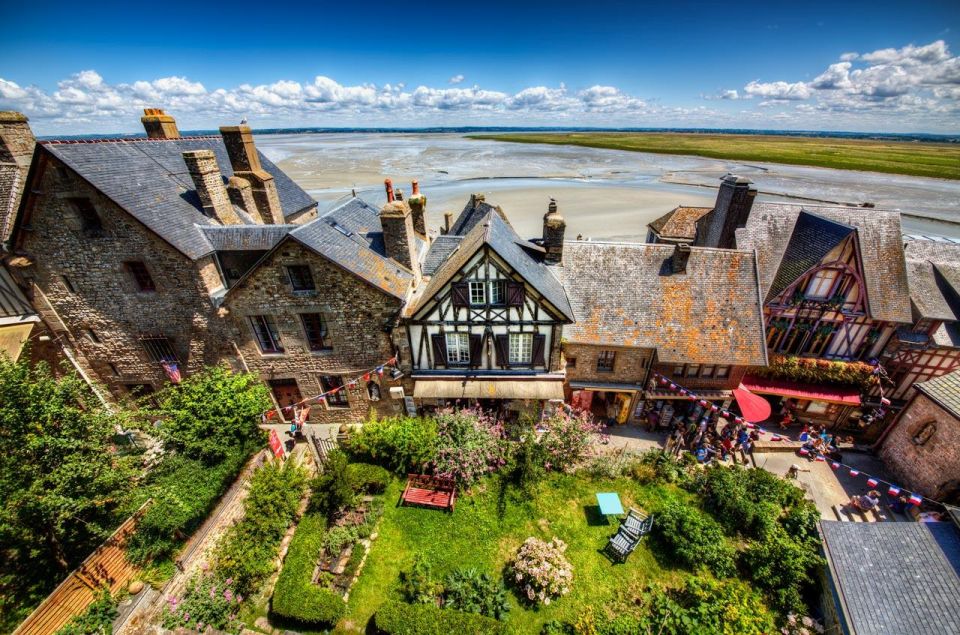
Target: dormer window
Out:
[478,293]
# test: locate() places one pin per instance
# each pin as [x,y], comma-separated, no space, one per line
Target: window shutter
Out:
[537,356]
[476,349]
[515,293]
[460,293]
[439,350]
[503,350]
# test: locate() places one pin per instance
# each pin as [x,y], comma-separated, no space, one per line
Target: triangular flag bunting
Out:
[894,490]
[872,482]
[854,472]
[915,499]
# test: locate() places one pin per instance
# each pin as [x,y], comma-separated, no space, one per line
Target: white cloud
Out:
[456,79]
[777,90]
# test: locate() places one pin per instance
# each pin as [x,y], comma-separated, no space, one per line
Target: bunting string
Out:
[266,415]
[692,396]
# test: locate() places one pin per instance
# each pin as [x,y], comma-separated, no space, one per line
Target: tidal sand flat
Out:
[603,194]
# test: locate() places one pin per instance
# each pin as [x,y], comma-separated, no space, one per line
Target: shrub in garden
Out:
[470,445]
[783,567]
[333,490]
[368,478]
[210,600]
[567,439]
[541,570]
[693,538]
[746,501]
[295,597]
[402,444]
[397,618]
[470,591]
[704,606]
[338,538]
[96,620]
[418,585]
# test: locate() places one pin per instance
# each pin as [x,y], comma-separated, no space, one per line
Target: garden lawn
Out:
[478,535]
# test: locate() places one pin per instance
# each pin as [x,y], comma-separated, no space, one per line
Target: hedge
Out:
[295,597]
[369,478]
[397,618]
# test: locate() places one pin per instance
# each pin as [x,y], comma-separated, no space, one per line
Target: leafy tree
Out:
[334,489]
[693,538]
[210,412]
[61,479]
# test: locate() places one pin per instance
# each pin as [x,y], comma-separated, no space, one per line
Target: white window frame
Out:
[458,348]
[822,283]
[521,348]
[498,292]
[478,293]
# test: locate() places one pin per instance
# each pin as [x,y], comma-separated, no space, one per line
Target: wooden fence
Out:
[107,566]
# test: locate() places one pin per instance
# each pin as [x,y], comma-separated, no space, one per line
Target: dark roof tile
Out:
[680,222]
[945,390]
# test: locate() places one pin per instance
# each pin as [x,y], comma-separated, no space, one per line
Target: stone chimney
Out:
[553,229]
[203,168]
[730,212]
[398,235]
[158,124]
[241,195]
[447,223]
[16,150]
[681,254]
[418,209]
[246,165]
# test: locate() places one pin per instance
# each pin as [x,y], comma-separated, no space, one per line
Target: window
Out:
[92,336]
[338,399]
[816,408]
[925,433]
[159,349]
[605,361]
[458,348]
[138,271]
[678,371]
[571,362]
[477,293]
[300,278]
[722,372]
[822,283]
[693,370]
[707,372]
[521,348]
[498,292]
[68,284]
[315,328]
[114,369]
[265,330]
[89,219]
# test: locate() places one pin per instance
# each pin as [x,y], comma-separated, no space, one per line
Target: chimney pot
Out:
[245,161]
[203,168]
[388,185]
[418,209]
[554,227]
[415,187]
[158,124]
[447,222]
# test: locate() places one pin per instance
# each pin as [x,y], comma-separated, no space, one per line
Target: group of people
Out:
[817,441]
[711,439]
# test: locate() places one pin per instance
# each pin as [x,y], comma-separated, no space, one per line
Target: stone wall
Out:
[85,281]
[357,317]
[630,364]
[931,466]
[16,151]
[698,383]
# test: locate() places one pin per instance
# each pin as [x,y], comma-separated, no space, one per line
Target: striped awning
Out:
[540,389]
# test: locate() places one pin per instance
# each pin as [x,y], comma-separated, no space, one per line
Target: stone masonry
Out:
[630,364]
[16,151]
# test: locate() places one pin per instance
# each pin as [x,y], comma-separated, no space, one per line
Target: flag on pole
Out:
[854,472]
[915,499]
[172,371]
[872,482]
[894,490]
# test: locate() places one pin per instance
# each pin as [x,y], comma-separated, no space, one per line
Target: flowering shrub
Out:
[820,371]
[470,445]
[567,439]
[541,570]
[208,601]
[801,625]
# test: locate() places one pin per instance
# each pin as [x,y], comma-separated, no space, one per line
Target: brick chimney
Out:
[16,150]
[203,168]
[246,165]
[241,195]
[158,124]
[553,229]
[447,223]
[681,254]
[730,212]
[418,209]
[398,235]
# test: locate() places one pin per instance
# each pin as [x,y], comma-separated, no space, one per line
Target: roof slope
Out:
[360,221]
[472,214]
[812,239]
[625,294]
[770,227]
[13,304]
[933,273]
[440,250]
[896,577]
[680,222]
[244,237]
[148,178]
[522,256]
[945,390]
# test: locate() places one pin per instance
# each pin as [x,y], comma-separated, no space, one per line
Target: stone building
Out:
[922,447]
[16,151]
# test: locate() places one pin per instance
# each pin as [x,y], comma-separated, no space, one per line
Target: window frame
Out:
[524,352]
[693,370]
[606,361]
[138,272]
[270,330]
[91,224]
[460,349]
[339,399]
[721,372]
[159,348]
[480,287]
[498,292]
[705,374]
[819,280]
[324,332]
[930,425]
[293,279]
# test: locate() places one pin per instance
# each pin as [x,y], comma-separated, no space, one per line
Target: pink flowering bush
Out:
[541,570]
[801,625]
[209,600]
[471,444]
[567,439]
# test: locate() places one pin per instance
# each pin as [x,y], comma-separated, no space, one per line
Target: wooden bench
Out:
[430,491]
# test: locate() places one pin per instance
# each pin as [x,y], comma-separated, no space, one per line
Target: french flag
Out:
[854,472]
[894,490]
[803,451]
[835,465]
[915,499]
[819,457]
[872,482]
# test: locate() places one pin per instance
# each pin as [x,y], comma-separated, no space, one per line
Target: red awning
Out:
[799,390]
[754,408]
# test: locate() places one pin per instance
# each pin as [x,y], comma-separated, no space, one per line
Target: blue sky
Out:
[91,67]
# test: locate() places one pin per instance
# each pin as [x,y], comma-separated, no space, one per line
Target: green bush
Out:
[295,597]
[402,444]
[419,586]
[783,567]
[470,591]
[703,606]
[247,552]
[369,478]
[397,618]
[208,600]
[338,538]
[746,501]
[693,538]
[96,620]
[333,490]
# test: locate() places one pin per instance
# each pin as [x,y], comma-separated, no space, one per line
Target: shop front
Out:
[614,404]
[506,397]
[663,406]
[832,406]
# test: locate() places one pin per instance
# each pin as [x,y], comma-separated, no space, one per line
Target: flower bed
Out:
[817,371]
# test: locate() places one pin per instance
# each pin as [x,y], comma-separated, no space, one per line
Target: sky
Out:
[879,66]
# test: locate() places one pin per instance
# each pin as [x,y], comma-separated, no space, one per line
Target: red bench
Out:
[430,491]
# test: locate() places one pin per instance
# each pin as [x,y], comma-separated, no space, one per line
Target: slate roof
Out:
[895,577]
[522,256]
[148,178]
[771,226]
[360,221]
[244,237]
[474,212]
[945,390]
[13,304]
[813,238]
[933,273]
[625,294]
[440,250]
[680,222]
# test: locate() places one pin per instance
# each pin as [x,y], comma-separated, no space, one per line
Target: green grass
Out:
[940,160]
[478,535]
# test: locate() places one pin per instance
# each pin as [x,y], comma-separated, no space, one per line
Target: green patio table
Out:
[609,503]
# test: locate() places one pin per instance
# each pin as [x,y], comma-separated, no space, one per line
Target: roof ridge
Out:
[122,140]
